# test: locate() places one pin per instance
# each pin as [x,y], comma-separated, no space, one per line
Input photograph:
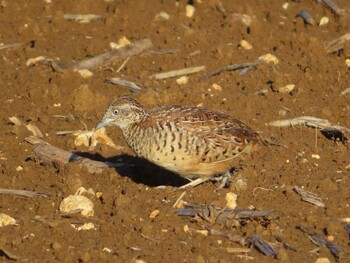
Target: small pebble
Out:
[190,9]
[322,260]
[162,16]
[315,156]
[85,73]
[285,6]
[287,89]
[6,220]
[324,21]
[182,80]
[19,168]
[267,58]
[347,62]
[154,214]
[245,44]
[231,199]
[216,86]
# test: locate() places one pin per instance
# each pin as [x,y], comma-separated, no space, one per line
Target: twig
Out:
[307,18]
[134,87]
[333,7]
[321,241]
[346,91]
[55,156]
[179,72]
[15,45]
[248,65]
[123,64]
[21,192]
[8,254]
[336,44]
[232,237]
[284,244]
[82,18]
[179,199]
[113,55]
[309,196]
[262,246]
[324,125]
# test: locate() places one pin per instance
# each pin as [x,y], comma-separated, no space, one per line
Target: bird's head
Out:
[122,112]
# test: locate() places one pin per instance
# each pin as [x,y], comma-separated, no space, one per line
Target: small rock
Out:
[287,89]
[86,226]
[285,6]
[245,44]
[231,199]
[323,21]
[267,58]
[85,73]
[6,220]
[216,86]
[154,214]
[315,156]
[347,62]
[182,80]
[322,260]
[162,16]
[19,168]
[190,9]
[77,203]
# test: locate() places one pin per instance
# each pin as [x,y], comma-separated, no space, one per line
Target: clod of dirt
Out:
[85,100]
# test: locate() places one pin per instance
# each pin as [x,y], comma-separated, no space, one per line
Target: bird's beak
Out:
[104,122]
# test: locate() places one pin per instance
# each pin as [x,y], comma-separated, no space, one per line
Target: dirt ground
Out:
[65,101]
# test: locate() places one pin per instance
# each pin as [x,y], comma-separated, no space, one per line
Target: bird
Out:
[196,143]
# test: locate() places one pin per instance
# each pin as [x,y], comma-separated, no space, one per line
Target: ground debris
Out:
[56,157]
[309,196]
[262,246]
[284,244]
[9,255]
[321,241]
[313,122]
[307,18]
[21,192]
[226,216]
[245,67]
[179,72]
[333,7]
[134,87]
[82,18]
[336,44]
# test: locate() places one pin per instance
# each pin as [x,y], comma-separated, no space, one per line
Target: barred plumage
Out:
[190,141]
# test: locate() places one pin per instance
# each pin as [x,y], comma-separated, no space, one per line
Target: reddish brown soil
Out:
[129,196]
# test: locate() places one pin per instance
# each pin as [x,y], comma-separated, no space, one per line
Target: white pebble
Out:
[323,21]
[190,9]
[162,16]
[287,89]
[267,58]
[6,220]
[285,6]
[77,202]
[315,156]
[347,62]
[245,44]
[182,80]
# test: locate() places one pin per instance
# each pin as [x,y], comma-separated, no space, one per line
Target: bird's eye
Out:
[115,112]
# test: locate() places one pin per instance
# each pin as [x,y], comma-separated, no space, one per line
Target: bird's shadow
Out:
[139,170]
